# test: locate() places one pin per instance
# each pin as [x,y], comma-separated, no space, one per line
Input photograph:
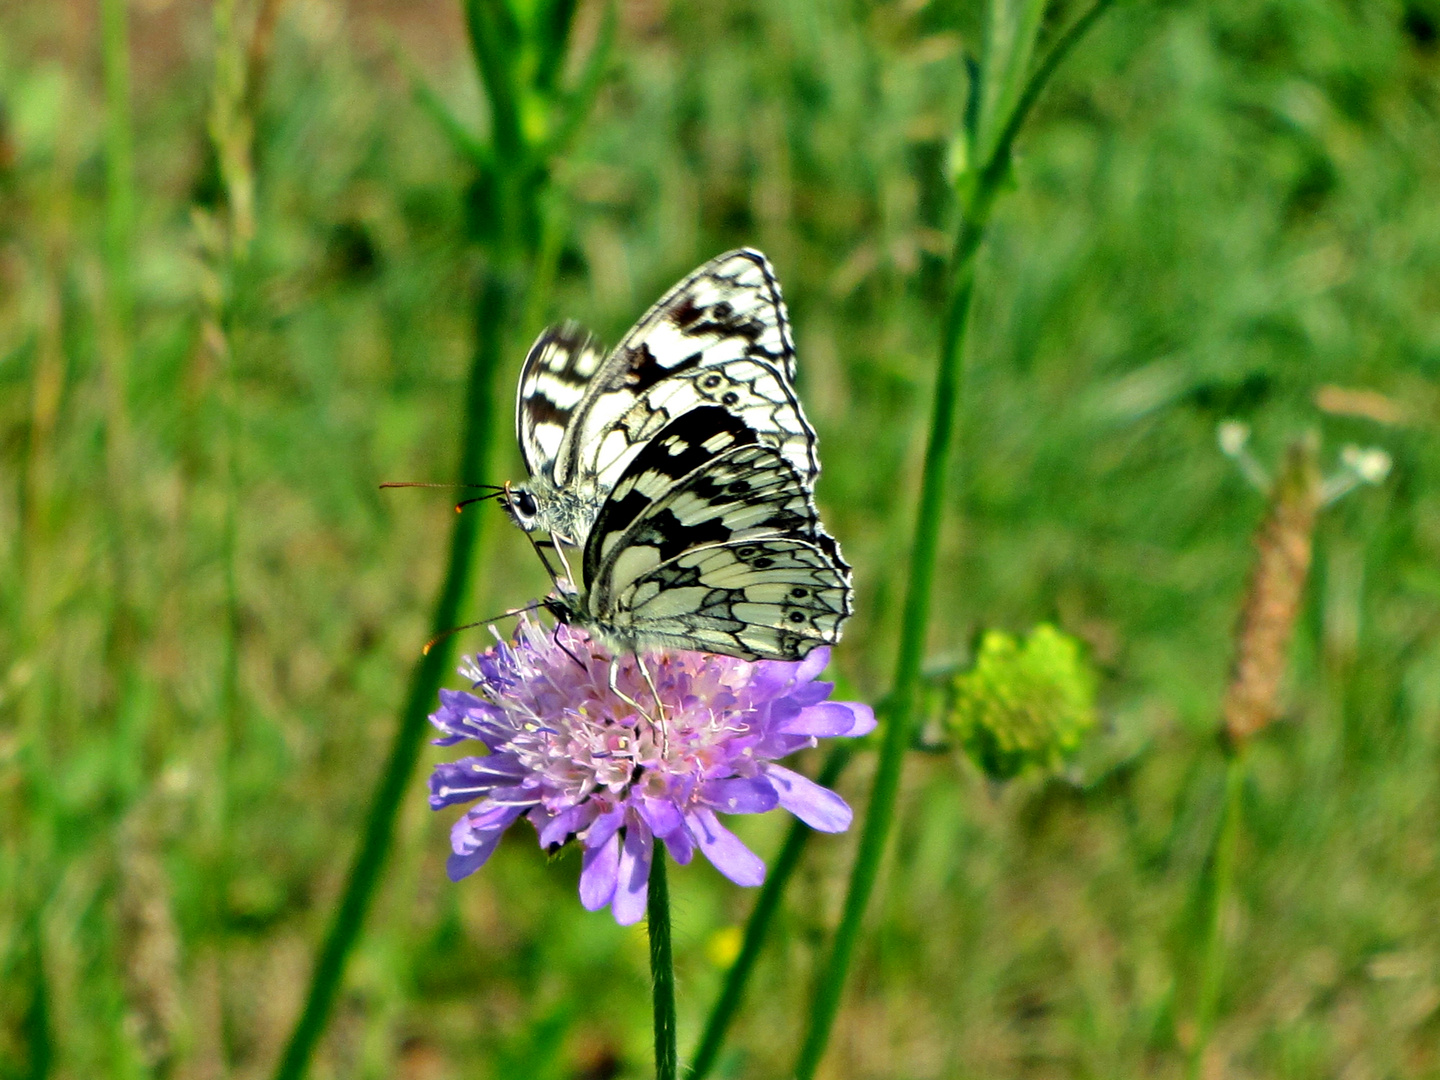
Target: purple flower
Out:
[581,763]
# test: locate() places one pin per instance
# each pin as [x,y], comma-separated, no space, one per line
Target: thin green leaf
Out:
[577,104]
[464,142]
[557,18]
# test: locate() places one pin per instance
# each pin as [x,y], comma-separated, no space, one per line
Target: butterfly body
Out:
[679,470]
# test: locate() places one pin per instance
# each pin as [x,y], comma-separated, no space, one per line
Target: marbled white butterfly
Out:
[680,468]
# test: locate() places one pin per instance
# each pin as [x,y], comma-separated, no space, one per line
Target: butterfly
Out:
[680,469]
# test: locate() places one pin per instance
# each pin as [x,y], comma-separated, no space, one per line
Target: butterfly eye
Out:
[524,504]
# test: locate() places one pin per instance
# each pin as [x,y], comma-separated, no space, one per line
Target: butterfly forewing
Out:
[553,382]
[722,337]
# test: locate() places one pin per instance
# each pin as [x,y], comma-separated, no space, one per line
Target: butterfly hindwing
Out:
[771,582]
[764,598]
[704,479]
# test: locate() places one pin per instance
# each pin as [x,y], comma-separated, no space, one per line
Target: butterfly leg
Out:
[615,689]
[659,705]
[557,544]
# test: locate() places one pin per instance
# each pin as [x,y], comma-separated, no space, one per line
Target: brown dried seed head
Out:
[1272,603]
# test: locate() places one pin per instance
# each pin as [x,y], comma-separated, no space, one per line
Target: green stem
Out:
[974,218]
[490,56]
[662,967]
[1222,871]
[912,640]
[491,319]
[757,927]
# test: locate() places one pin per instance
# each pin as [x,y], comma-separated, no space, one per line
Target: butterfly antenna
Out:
[482,622]
[477,499]
[422,484]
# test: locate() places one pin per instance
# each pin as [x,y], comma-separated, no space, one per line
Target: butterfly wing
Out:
[764,599]
[711,541]
[720,337]
[553,382]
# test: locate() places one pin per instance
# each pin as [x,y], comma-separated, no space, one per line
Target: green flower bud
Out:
[1023,706]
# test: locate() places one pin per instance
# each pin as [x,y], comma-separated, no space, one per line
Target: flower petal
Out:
[740,795]
[604,827]
[475,836]
[472,778]
[465,716]
[680,845]
[828,719]
[598,873]
[570,820]
[661,815]
[817,806]
[814,663]
[633,887]
[724,849]
[864,718]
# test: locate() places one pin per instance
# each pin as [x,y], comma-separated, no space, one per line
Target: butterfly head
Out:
[522,506]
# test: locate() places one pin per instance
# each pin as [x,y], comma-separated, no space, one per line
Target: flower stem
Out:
[757,927]
[491,318]
[1222,870]
[975,216]
[662,967]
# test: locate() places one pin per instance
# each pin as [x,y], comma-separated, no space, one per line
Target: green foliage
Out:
[1221,210]
[1023,705]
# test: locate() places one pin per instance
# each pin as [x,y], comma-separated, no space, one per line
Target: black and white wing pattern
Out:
[553,382]
[711,540]
[721,336]
[681,468]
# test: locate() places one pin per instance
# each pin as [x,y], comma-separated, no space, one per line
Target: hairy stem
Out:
[662,967]
[757,927]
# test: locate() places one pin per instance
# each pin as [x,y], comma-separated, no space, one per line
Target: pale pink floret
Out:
[577,760]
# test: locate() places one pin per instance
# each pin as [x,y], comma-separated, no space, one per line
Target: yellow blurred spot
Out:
[724,946]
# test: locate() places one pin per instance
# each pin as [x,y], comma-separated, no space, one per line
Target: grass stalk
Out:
[1284,545]
[117,327]
[662,967]
[757,927]
[1217,898]
[517,215]
[975,217]
[492,316]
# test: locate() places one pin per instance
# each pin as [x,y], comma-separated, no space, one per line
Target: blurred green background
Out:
[1219,210]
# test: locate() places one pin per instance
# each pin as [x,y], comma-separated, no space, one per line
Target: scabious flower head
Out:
[578,760]
[1024,706]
